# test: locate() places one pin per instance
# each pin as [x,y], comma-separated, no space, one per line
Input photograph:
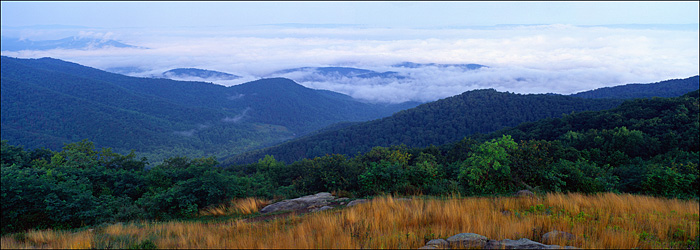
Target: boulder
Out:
[438,244]
[467,240]
[321,208]
[471,240]
[301,203]
[522,243]
[557,235]
[355,202]
[525,193]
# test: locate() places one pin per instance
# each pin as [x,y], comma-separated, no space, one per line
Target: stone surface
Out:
[467,240]
[524,193]
[321,208]
[304,202]
[557,235]
[355,202]
[438,243]
[428,247]
[522,243]
[471,240]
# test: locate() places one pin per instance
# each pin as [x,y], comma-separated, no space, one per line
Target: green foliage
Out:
[487,170]
[382,177]
[645,146]
[435,123]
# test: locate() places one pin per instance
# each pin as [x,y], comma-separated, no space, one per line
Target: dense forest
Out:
[668,88]
[645,146]
[159,118]
[435,123]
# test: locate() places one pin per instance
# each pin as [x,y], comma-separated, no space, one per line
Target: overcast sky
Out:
[530,47]
[387,14]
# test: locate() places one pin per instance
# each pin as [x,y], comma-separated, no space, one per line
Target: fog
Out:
[561,59]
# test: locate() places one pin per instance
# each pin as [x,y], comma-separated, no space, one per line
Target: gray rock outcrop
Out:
[305,202]
[467,240]
[358,201]
[472,240]
[310,203]
[525,193]
[438,244]
[557,235]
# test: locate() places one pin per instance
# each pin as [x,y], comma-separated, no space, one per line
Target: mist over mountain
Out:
[450,119]
[469,66]
[306,74]
[47,102]
[434,123]
[74,42]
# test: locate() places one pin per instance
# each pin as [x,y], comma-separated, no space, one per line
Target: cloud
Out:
[524,59]
[236,118]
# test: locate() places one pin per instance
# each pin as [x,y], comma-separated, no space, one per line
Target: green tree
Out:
[487,170]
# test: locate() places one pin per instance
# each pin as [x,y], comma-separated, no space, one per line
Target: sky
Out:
[530,47]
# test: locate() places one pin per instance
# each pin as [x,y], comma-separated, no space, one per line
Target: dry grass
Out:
[598,221]
[248,205]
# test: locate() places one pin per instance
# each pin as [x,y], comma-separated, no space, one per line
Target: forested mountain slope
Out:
[673,120]
[439,122]
[668,88]
[47,102]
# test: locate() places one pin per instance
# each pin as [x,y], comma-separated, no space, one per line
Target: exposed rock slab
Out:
[438,244]
[472,240]
[305,202]
[358,201]
[467,240]
[557,235]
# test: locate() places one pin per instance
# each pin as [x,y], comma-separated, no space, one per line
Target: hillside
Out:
[47,102]
[668,88]
[673,120]
[644,146]
[436,123]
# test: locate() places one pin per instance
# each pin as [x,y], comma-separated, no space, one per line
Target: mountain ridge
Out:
[188,117]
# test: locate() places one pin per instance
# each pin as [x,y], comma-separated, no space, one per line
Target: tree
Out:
[487,170]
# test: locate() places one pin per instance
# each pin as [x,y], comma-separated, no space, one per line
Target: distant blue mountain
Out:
[667,88]
[15,44]
[325,72]
[421,65]
[199,73]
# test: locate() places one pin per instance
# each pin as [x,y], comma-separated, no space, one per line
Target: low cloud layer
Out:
[523,59]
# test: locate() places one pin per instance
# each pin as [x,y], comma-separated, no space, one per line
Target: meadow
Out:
[604,220]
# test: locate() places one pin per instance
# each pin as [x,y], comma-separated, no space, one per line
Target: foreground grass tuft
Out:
[243,206]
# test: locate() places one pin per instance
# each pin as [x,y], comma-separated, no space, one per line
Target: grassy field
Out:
[598,221]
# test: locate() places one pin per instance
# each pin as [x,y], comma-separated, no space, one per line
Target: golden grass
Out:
[598,221]
[248,205]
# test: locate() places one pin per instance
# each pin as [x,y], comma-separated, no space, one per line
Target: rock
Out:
[305,202]
[321,208]
[471,240]
[524,193]
[438,244]
[467,240]
[522,243]
[342,199]
[355,202]
[557,235]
